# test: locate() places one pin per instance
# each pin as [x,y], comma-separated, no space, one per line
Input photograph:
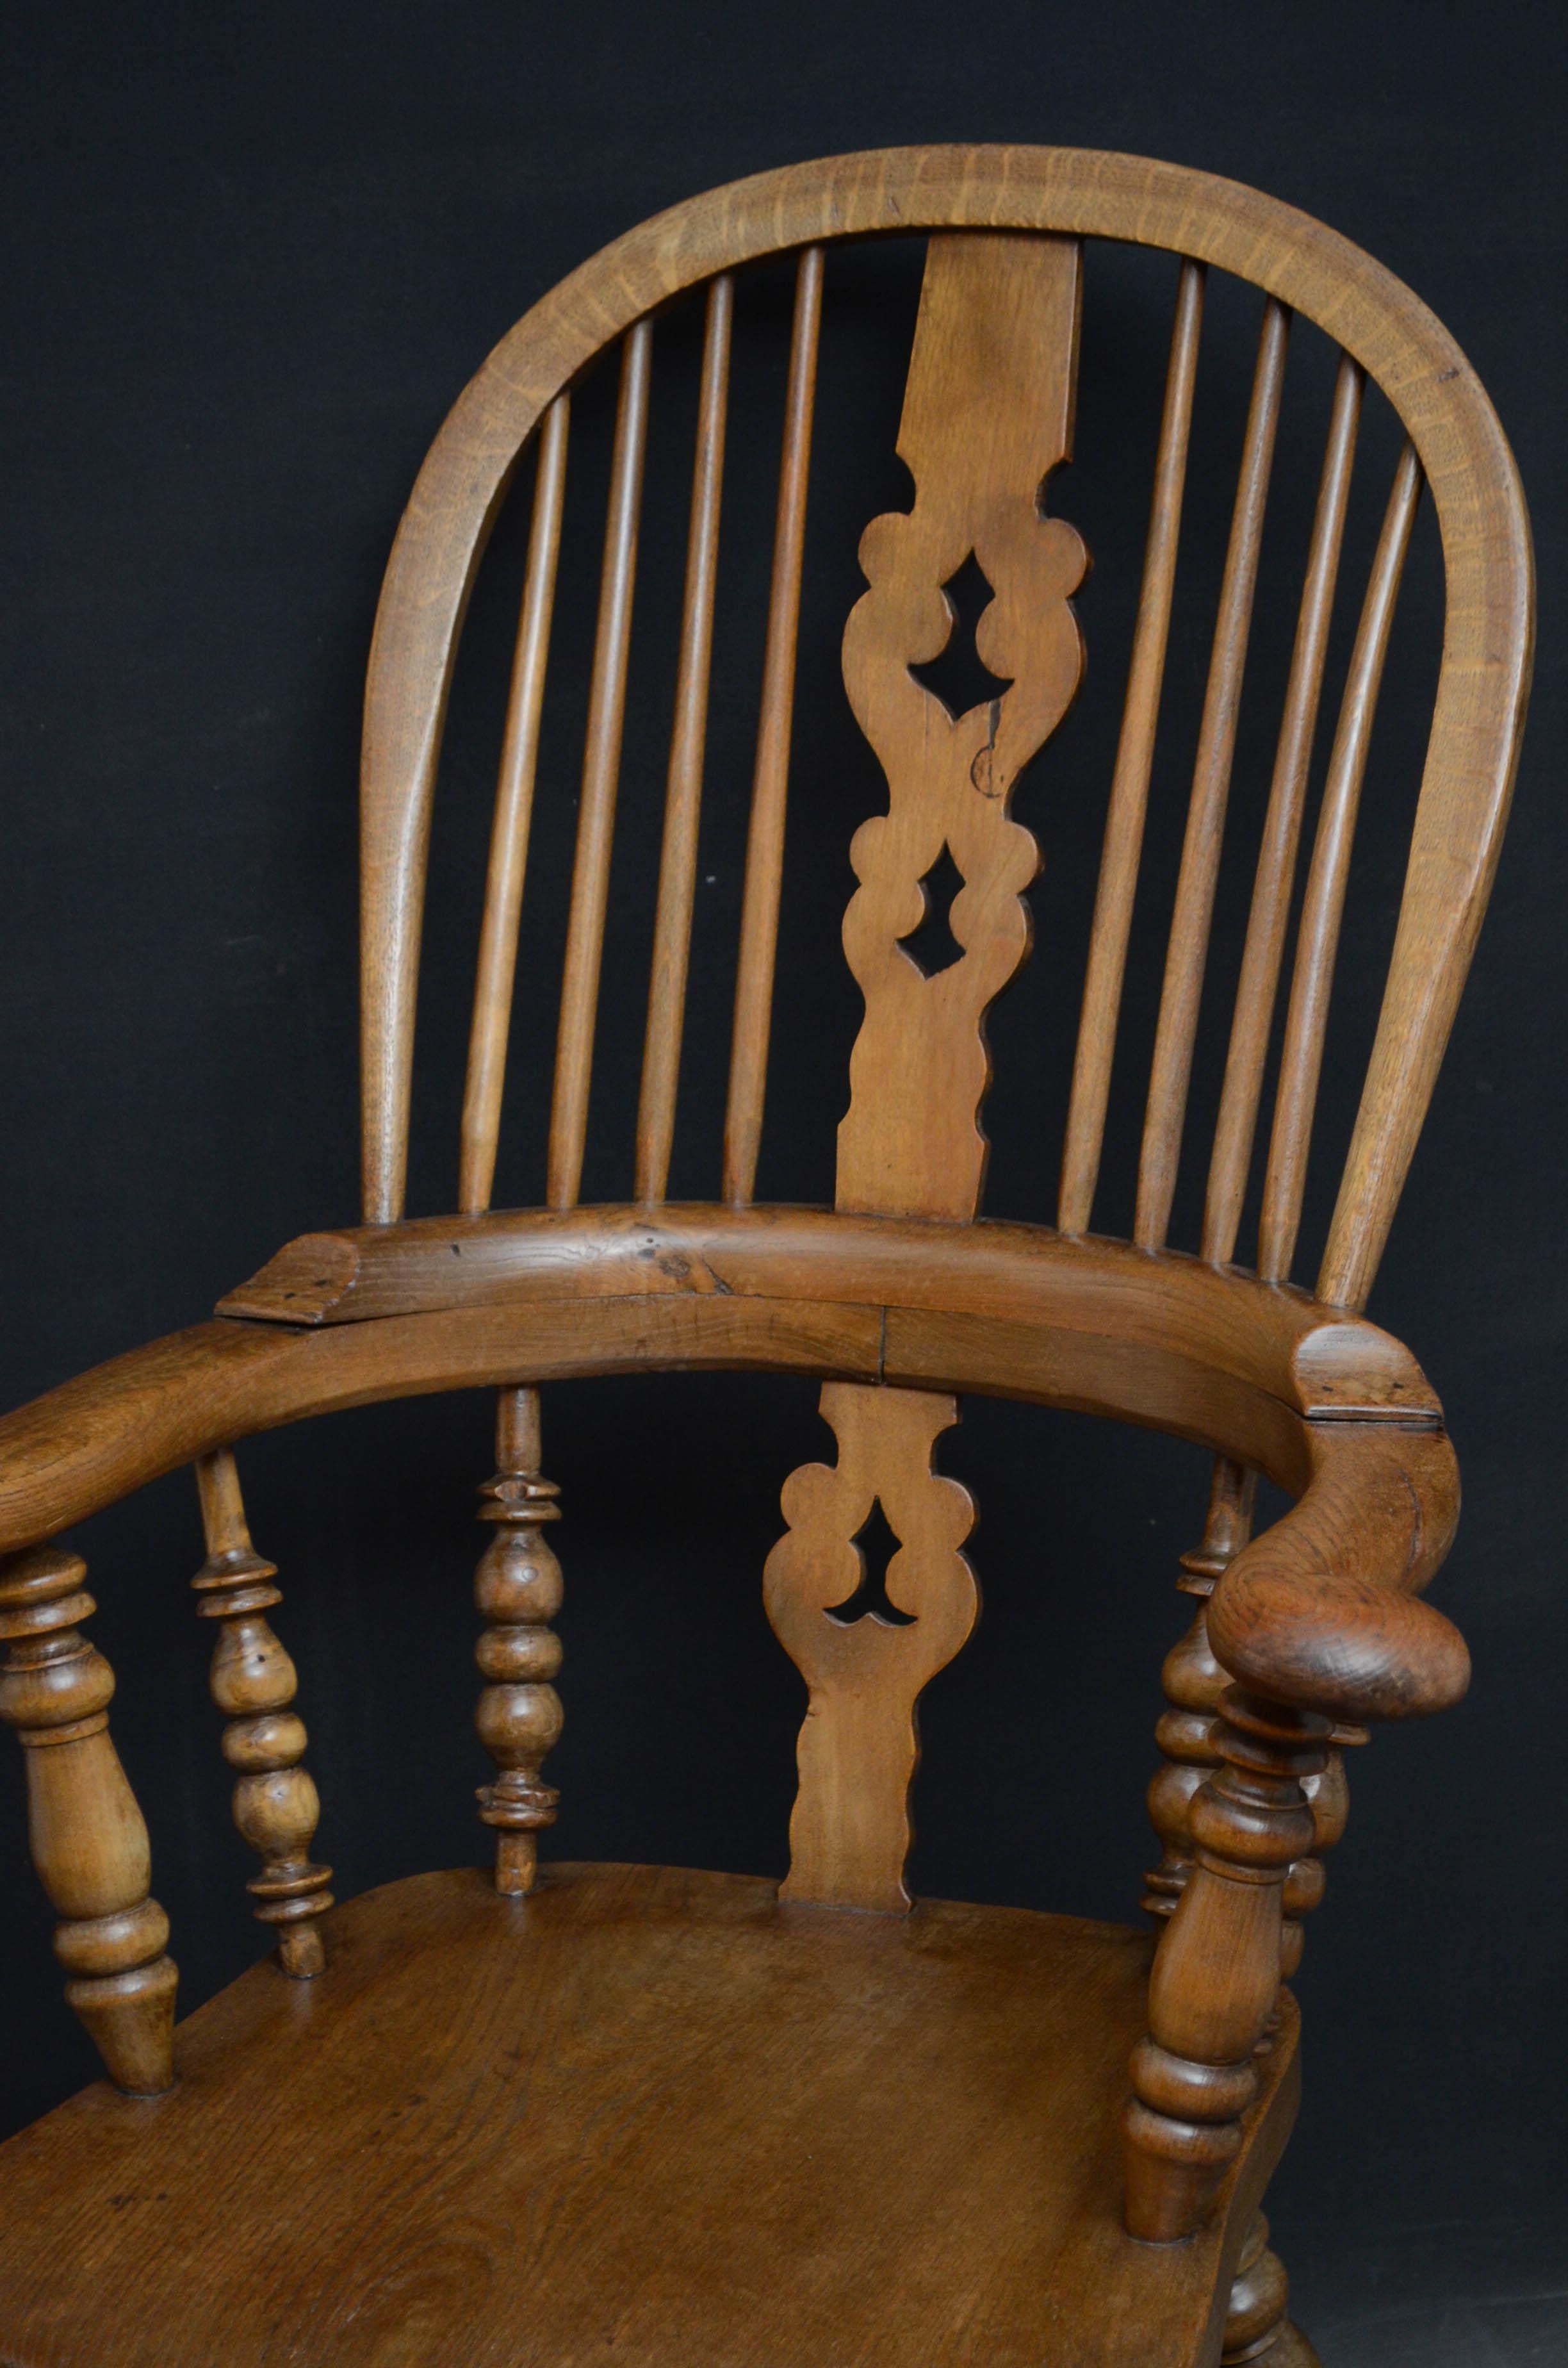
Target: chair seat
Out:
[645,2117]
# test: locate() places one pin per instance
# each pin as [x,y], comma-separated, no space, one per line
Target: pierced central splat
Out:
[958,675]
[931,945]
[876,1544]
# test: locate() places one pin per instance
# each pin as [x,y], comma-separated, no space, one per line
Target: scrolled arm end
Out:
[1352,1648]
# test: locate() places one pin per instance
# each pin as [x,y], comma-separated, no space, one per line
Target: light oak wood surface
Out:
[620,2115]
[664,2117]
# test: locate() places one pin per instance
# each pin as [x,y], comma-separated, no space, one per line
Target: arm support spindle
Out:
[275,1804]
[89,1841]
[518,1587]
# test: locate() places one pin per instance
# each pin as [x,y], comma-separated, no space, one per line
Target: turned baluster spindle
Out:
[1216,1973]
[518,1587]
[1256,2326]
[276,1807]
[86,1833]
[1328,1797]
[1194,1684]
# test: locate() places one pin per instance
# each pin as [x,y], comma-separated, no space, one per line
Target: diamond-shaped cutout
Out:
[876,1545]
[931,945]
[956,674]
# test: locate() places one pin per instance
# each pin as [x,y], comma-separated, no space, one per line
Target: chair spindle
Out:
[1259,981]
[1216,1975]
[677,865]
[509,832]
[518,1587]
[1323,904]
[765,841]
[1189,948]
[1255,2325]
[1129,782]
[1194,1684]
[1328,1797]
[601,772]
[87,1836]
[276,1807]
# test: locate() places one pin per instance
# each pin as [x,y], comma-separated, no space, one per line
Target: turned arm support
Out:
[1320,1624]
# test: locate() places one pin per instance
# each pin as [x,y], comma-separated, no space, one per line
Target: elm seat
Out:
[624,2119]
[562,2114]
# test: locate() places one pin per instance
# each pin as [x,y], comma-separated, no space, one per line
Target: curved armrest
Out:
[1324,1610]
[1333,1409]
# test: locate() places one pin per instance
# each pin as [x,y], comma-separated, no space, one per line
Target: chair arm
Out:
[1323,1610]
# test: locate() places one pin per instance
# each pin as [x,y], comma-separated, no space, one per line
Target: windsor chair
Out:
[573,2110]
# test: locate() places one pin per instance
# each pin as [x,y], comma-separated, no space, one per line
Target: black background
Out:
[250,265]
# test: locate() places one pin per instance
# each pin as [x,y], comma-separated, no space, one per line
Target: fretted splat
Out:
[875,1544]
[936,930]
[932,947]
[958,675]
[849,1833]
[987,414]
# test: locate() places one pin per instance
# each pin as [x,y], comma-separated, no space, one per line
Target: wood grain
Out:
[518,1587]
[849,1833]
[254,1684]
[509,832]
[1130,782]
[1306,1019]
[601,776]
[1261,955]
[642,2114]
[898,2128]
[86,1833]
[1187,951]
[683,801]
[1073,193]
[987,414]
[770,779]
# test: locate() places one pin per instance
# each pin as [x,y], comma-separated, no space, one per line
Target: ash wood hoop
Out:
[1464,455]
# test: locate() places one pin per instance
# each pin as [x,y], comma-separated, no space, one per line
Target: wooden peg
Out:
[518,1587]
[1194,1684]
[276,1807]
[88,1840]
[1216,1974]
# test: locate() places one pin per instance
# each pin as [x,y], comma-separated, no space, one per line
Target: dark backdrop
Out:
[250,265]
